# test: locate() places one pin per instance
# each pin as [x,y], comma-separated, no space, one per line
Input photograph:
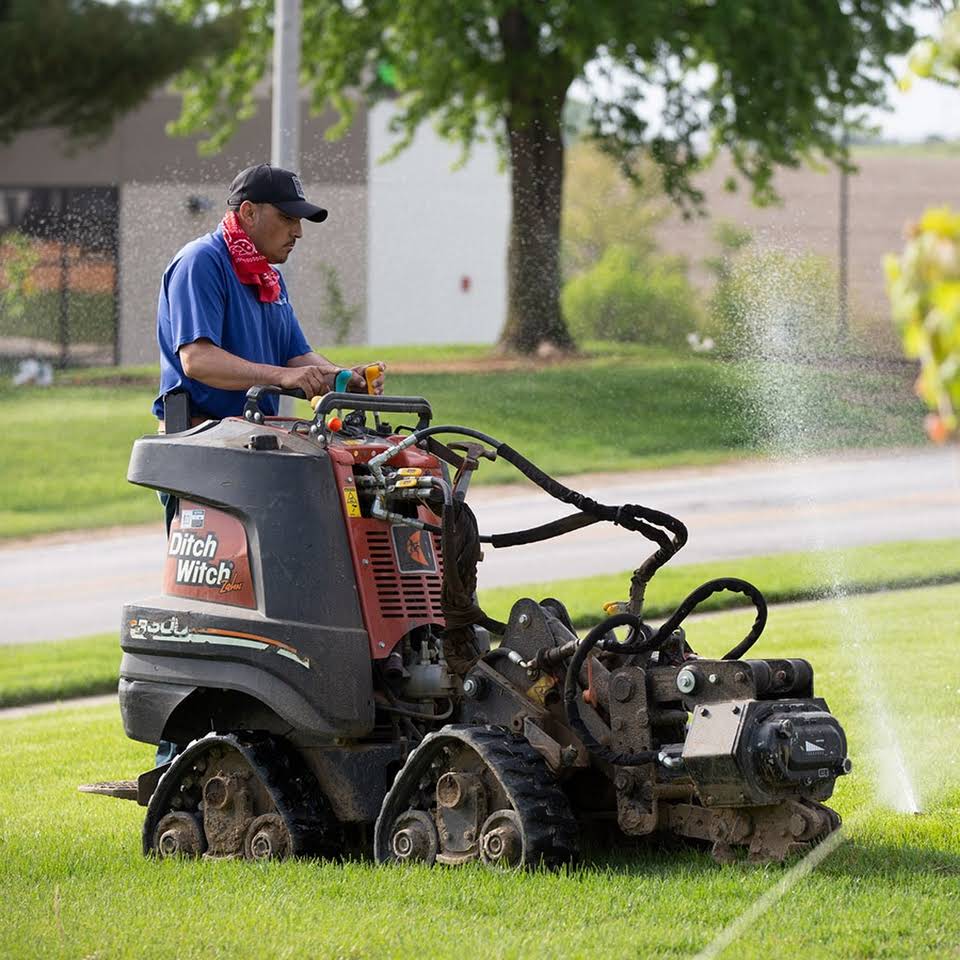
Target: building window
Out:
[58,274]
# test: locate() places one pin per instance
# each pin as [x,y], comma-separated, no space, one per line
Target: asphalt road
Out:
[73,587]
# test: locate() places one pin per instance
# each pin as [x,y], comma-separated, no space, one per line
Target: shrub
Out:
[924,283]
[601,207]
[339,317]
[627,297]
[775,304]
[18,259]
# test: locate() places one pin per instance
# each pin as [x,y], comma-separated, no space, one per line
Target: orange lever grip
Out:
[371,374]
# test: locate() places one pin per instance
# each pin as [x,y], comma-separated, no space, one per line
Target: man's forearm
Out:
[310,372]
[217,368]
[313,360]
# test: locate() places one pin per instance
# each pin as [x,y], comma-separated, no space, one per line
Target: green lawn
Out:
[90,318]
[782,578]
[68,446]
[75,885]
[34,672]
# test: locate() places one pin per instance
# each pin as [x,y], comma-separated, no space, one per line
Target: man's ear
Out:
[247,213]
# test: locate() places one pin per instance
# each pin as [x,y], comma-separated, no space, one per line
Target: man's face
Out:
[273,232]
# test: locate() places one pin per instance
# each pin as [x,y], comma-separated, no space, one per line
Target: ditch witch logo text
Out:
[197,564]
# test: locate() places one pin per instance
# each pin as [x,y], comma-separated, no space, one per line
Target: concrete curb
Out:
[15,713]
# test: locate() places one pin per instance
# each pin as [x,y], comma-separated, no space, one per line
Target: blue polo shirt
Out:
[201,297]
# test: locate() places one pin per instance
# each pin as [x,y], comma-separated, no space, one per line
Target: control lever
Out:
[340,383]
[370,374]
[471,454]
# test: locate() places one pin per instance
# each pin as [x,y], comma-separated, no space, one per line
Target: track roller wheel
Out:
[267,838]
[229,796]
[476,793]
[501,840]
[179,835]
[413,838]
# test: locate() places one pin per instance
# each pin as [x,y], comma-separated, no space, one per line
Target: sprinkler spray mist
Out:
[778,308]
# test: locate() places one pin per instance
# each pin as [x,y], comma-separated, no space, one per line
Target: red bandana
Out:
[248,263]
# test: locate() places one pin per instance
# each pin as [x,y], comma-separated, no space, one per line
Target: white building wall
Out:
[429,228]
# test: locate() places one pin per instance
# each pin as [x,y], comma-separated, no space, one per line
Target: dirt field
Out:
[890,190]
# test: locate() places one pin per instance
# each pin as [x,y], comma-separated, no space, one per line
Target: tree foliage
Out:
[924,288]
[80,64]
[937,58]
[602,207]
[771,83]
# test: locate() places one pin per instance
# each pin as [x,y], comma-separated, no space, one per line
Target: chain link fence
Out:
[58,276]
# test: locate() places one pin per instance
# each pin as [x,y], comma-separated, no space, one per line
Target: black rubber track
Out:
[296,796]
[550,831]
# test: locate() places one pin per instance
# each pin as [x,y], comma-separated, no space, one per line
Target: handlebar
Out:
[333,401]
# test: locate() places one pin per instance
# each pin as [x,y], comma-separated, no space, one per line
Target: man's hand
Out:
[358,382]
[314,381]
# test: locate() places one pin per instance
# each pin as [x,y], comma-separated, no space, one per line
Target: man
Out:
[224,322]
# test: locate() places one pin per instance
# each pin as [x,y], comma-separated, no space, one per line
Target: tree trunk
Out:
[533,257]
[536,181]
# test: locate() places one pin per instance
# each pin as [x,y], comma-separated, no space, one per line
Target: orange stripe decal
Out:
[249,636]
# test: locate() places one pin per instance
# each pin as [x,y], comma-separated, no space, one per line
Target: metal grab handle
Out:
[333,401]
[252,409]
[382,404]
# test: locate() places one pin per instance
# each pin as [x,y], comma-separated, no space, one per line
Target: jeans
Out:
[170,506]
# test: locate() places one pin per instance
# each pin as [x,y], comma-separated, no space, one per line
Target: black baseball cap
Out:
[282,188]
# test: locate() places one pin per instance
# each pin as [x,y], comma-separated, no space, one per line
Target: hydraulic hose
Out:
[655,525]
[693,600]
[641,642]
[669,533]
[403,709]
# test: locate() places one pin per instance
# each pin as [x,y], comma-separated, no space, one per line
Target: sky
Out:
[928,108]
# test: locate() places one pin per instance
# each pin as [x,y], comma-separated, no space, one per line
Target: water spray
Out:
[787,415]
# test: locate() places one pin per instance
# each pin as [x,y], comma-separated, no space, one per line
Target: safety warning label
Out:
[351,502]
